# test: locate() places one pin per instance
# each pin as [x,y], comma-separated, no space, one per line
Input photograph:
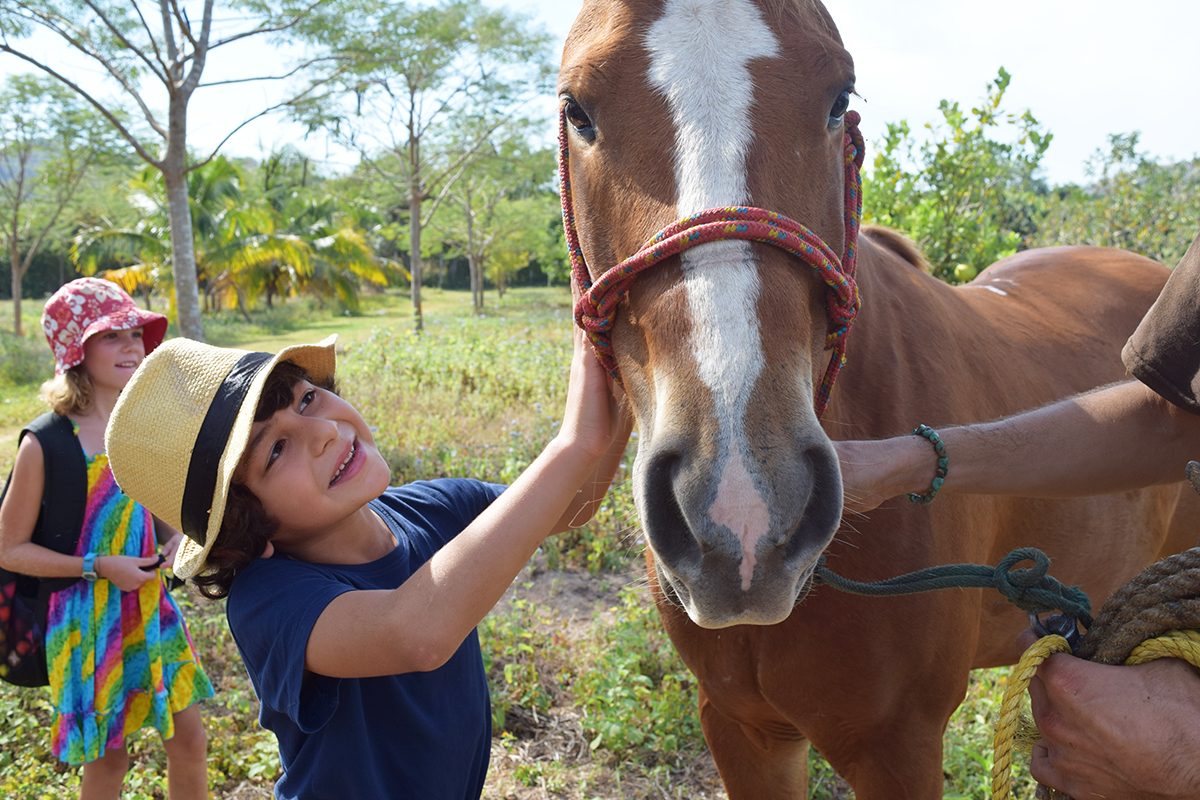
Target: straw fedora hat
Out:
[181,425]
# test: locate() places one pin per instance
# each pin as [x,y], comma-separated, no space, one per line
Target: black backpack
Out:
[25,600]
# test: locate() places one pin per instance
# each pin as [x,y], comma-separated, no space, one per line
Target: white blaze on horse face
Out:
[700,54]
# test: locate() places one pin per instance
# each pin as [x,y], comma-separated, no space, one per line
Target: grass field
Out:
[590,701]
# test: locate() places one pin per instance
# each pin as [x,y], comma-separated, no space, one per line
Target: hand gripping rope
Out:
[596,309]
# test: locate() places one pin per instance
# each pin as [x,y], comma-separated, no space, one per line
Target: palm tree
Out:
[277,245]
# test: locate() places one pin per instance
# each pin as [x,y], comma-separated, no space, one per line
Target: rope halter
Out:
[596,309]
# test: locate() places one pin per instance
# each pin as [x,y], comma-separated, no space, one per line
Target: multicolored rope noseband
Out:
[596,309]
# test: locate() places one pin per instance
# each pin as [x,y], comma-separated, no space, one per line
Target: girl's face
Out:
[111,357]
[313,464]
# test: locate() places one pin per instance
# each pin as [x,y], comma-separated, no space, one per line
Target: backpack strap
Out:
[64,500]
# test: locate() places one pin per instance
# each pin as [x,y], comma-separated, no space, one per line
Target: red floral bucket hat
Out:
[91,305]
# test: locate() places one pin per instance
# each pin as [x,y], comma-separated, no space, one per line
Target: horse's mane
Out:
[898,243]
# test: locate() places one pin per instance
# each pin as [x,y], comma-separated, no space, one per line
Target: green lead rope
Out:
[1032,589]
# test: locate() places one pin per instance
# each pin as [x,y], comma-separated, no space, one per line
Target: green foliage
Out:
[639,698]
[964,195]
[520,654]
[50,139]
[1134,203]
[24,359]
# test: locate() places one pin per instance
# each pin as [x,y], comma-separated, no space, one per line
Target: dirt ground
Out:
[558,738]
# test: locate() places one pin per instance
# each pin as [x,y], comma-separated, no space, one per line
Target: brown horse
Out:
[675,106]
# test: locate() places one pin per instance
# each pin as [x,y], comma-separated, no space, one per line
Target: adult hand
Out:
[1117,732]
[127,571]
[874,471]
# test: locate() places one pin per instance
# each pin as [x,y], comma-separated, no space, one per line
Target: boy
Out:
[353,604]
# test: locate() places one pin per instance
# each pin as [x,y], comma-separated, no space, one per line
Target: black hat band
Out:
[210,445]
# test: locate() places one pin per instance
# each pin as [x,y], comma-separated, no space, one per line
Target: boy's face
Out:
[313,464]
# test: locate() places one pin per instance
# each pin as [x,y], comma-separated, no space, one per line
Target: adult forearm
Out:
[1113,439]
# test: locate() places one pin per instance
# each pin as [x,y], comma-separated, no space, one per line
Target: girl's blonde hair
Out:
[70,392]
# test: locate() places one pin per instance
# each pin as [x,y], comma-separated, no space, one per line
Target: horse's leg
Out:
[900,759]
[764,761]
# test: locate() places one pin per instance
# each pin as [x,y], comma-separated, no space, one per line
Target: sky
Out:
[1085,68]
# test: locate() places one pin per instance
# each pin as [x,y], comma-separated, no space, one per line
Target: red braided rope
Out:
[596,309]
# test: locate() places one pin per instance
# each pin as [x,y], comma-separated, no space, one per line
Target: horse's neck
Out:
[893,342]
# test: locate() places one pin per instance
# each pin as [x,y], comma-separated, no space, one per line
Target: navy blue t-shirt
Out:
[421,735]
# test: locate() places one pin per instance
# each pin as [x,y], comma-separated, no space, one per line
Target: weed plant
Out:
[24,359]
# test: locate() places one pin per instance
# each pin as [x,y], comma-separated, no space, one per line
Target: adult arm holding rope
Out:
[1107,731]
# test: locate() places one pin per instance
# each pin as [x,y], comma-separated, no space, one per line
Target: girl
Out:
[118,653]
[354,604]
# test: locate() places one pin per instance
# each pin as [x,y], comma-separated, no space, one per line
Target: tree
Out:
[273,244]
[135,55]
[964,195]
[49,140]
[1133,203]
[497,206]
[431,86]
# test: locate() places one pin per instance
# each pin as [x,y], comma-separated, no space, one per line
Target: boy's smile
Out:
[349,467]
[314,467]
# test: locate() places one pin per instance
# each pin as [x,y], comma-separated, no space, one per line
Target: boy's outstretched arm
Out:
[419,625]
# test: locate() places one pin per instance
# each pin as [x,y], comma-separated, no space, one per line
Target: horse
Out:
[728,351]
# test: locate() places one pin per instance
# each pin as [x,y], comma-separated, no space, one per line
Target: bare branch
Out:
[269,28]
[299,68]
[263,113]
[73,37]
[116,123]
[185,25]
[121,38]
[169,39]
[199,53]
[150,38]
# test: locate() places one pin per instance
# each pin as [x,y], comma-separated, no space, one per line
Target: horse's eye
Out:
[839,109]
[579,119]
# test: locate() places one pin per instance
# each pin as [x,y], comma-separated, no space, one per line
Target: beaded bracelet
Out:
[943,465]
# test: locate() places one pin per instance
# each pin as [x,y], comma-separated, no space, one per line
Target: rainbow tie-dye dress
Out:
[118,661]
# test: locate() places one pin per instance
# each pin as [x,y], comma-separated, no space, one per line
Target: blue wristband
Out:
[89,567]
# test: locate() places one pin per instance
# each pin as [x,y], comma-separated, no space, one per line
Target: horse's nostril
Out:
[822,508]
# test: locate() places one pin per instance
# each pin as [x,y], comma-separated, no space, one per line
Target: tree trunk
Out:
[414,239]
[17,275]
[183,251]
[183,242]
[474,266]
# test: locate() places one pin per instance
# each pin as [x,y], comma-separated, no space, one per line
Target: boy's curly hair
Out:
[245,527]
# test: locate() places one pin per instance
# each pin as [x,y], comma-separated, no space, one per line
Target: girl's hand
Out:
[127,572]
[171,547]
